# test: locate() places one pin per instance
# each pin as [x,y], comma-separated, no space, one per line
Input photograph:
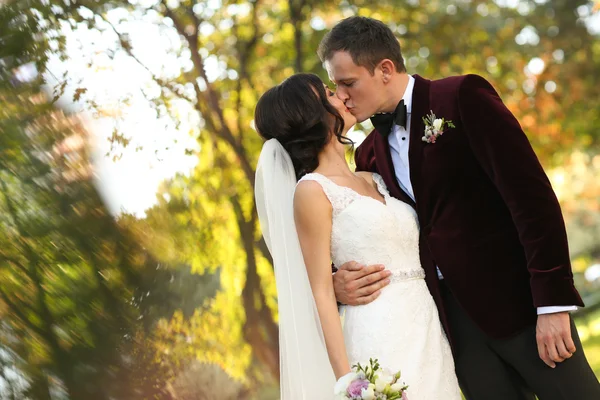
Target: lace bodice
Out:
[370,232]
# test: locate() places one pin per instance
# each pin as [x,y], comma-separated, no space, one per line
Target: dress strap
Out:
[381,186]
[339,197]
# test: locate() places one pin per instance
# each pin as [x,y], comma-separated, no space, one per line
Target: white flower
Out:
[396,387]
[387,375]
[382,380]
[380,385]
[434,127]
[342,384]
[368,393]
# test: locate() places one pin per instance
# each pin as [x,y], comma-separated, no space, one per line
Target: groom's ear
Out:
[387,69]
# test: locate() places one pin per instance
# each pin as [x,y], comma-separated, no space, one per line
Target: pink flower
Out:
[356,387]
[404,396]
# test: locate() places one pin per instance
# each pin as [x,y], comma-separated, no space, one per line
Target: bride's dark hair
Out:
[298,114]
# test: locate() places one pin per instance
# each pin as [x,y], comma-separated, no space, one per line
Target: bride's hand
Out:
[342,383]
[355,284]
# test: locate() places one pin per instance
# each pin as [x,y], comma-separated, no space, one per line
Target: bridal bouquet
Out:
[370,383]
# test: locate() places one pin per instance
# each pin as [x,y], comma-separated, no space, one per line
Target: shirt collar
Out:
[408,94]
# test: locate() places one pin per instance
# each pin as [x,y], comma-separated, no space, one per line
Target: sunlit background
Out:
[132,261]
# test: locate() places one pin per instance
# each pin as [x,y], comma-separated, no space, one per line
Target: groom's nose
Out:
[341,94]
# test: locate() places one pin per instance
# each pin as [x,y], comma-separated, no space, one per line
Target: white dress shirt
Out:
[399,140]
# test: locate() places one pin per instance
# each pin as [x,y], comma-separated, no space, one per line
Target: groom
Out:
[493,242]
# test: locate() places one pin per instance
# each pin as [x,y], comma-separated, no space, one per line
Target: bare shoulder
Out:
[309,195]
[308,190]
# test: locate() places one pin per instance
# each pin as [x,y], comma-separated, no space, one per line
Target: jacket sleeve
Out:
[504,152]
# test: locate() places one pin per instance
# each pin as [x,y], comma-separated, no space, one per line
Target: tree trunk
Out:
[296,19]
[40,388]
[260,330]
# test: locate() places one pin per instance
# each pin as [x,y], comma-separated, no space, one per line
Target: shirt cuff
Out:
[555,309]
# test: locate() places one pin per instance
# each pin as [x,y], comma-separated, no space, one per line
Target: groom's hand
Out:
[355,284]
[553,336]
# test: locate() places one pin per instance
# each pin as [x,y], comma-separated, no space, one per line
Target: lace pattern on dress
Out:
[341,197]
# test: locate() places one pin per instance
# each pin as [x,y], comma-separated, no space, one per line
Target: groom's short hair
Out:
[367,40]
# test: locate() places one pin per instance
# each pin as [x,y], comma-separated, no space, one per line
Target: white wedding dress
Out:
[401,327]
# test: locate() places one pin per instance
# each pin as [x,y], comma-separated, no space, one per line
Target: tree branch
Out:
[16,262]
[262,246]
[245,50]
[126,46]
[222,131]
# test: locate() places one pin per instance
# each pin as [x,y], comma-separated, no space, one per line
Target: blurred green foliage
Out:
[129,308]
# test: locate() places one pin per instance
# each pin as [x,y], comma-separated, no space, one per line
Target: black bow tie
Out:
[384,122]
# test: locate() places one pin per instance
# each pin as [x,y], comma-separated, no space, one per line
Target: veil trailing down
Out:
[304,364]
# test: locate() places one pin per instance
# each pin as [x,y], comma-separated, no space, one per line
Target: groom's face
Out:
[360,90]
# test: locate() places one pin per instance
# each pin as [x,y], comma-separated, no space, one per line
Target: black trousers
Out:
[511,369]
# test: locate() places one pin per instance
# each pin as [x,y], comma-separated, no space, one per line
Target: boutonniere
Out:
[434,127]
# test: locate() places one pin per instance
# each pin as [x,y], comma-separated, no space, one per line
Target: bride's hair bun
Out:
[298,114]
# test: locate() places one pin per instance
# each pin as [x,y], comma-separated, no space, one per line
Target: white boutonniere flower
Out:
[434,127]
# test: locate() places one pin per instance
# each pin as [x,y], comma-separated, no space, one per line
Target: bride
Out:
[314,211]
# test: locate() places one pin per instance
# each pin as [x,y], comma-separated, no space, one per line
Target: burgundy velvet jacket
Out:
[488,215]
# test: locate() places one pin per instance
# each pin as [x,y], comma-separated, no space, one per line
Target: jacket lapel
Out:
[385,168]
[420,108]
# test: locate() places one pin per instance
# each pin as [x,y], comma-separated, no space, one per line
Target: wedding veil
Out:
[306,373]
